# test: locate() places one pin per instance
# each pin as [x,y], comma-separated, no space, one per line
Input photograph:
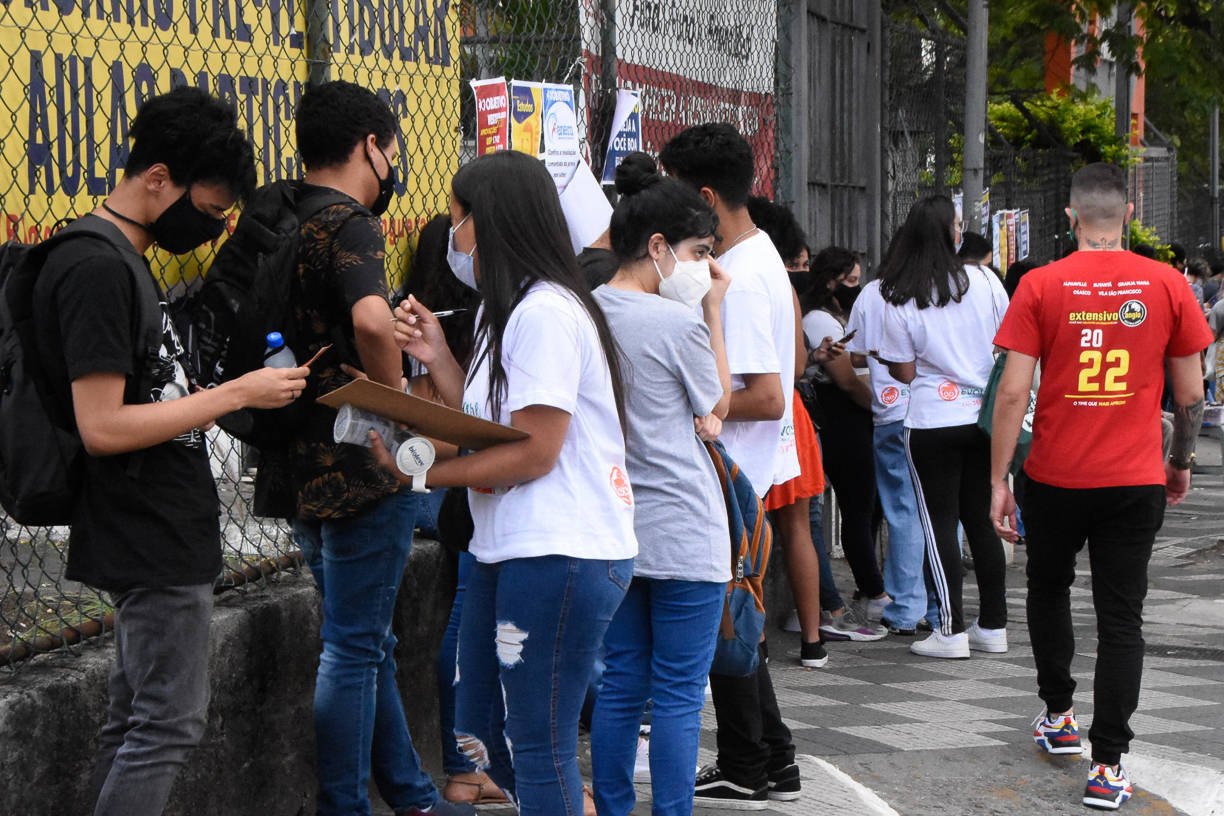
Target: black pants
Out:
[847,451]
[752,739]
[1120,525]
[951,472]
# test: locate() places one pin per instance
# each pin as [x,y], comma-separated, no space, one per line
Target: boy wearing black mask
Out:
[352,523]
[145,519]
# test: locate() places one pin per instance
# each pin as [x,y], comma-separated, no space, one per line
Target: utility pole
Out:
[1122,80]
[975,113]
[1215,176]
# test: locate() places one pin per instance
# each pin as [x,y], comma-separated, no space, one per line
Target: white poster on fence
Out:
[586,208]
[998,239]
[1022,236]
[626,132]
[560,133]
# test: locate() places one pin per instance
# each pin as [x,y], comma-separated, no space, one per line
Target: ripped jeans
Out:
[528,638]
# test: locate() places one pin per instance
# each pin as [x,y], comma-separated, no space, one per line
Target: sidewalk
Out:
[881,731]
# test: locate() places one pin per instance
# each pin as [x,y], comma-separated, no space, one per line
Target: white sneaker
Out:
[791,624]
[874,608]
[641,763]
[940,645]
[987,640]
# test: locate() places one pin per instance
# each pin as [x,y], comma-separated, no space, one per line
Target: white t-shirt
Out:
[583,507]
[889,397]
[953,347]
[758,315]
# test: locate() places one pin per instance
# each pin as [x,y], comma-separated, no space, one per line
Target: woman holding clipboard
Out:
[553,513]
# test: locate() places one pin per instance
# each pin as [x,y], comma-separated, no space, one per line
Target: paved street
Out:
[884,731]
[881,731]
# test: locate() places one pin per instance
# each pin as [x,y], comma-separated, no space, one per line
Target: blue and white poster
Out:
[561,155]
[626,133]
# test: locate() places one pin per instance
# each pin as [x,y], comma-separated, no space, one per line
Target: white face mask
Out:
[461,263]
[688,282]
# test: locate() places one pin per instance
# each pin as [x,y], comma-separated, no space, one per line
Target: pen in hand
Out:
[446,313]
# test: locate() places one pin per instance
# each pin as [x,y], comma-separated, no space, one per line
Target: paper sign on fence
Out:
[492,115]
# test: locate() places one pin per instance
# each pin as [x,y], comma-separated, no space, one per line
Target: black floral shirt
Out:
[343,259]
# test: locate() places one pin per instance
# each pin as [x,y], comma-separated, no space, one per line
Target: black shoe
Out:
[712,790]
[924,625]
[901,631]
[813,655]
[966,565]
[784,784]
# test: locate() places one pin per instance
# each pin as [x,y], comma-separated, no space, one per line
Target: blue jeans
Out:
[903,577]
[660,645]
[830,598]
[359,717]
[453,760]
[530,631]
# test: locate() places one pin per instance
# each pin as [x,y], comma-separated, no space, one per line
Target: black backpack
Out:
[248,292]
[40,450]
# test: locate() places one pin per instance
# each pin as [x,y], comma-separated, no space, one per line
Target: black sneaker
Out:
[813,655]
[712,790]
[784,784]
[901,631]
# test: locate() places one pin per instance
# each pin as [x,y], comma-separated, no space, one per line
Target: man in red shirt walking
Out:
[1106,325]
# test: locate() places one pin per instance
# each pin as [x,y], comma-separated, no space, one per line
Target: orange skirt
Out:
[810,481]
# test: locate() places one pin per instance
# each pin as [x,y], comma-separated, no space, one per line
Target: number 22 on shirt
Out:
[1101,371]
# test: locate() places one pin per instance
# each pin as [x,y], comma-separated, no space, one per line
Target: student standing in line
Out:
[553,513]
[678,387]
[938,333]
[910,604]
[354,524]
[844,400]
[1106,326]
[145,524]
[756,757]
[791,501]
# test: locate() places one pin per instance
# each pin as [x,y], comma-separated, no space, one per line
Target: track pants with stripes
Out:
[951,472]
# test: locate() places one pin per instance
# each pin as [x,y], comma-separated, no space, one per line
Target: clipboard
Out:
[423,416]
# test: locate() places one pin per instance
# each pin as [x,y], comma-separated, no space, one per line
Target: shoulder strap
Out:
[146,293]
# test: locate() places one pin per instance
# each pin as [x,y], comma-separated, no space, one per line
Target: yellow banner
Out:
[79,69]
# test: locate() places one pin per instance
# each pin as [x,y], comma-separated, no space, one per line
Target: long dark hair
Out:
[827,265]
[652,204]
[435,285]
[522,238]
[921,264]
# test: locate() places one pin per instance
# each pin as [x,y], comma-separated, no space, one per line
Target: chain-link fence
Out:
[924,91]
[75,71]
[1153,190]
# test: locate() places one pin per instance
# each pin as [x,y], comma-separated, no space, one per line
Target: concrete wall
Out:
[258,752]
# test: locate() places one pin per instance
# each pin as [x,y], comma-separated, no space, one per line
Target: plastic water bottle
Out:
[277,354]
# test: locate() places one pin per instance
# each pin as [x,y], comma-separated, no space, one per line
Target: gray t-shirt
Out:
[670,377]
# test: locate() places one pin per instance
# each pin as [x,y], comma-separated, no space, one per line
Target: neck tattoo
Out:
[1104,243]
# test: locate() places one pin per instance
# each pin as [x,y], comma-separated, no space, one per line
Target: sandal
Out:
[486,792]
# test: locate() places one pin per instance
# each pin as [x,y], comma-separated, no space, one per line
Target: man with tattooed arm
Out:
[1106,325]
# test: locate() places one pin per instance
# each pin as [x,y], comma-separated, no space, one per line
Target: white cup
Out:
[414,457]
[353,427]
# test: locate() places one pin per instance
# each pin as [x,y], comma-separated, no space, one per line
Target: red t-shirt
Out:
[1102,324]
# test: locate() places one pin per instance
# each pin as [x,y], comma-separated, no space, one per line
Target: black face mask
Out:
[845,296]
[800,279]
[386,186]
[183,227]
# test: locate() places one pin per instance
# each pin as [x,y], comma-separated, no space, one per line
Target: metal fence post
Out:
[975,111]
[318,44]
